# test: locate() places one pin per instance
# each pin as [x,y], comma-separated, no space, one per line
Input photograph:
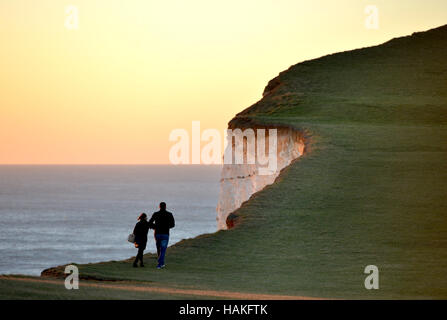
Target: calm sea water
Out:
[53,215]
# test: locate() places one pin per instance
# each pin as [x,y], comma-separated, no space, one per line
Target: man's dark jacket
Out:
[162,221]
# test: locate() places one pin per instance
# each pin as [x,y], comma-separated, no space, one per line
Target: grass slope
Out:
[372,188]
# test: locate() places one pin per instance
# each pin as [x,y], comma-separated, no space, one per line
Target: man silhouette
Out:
[161,221]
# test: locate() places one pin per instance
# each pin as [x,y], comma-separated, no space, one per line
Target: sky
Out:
[112,90]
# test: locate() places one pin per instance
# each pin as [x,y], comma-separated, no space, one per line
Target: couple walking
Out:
[161,221]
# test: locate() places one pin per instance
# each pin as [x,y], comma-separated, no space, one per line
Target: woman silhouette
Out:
[140,232]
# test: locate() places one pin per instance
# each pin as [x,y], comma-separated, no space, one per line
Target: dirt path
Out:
[189,292]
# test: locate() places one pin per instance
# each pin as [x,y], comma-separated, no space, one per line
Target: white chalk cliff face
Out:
[240,181]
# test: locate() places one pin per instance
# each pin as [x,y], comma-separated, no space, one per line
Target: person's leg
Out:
[157,244]
[164,240]
[137,258]
[158,240]
[140,254]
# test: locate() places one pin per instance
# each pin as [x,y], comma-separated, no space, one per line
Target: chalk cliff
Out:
[240,181]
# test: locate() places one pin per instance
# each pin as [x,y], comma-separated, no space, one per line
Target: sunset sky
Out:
[111,91]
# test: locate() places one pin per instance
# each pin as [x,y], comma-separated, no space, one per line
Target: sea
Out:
[52,215]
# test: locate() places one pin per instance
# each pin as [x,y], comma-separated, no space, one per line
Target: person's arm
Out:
[172,221]
[151,222]
[135,232]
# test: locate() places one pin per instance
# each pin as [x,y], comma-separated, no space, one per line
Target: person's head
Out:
[163,206]
[142,216]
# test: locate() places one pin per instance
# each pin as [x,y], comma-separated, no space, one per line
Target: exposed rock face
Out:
[240,181]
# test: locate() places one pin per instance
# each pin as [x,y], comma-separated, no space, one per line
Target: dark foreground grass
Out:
[13,289]
[371,189]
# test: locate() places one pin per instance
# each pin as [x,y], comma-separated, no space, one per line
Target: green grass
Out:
[371,190]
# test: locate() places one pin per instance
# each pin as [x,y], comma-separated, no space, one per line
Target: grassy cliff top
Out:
[371,190]
[402,82]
